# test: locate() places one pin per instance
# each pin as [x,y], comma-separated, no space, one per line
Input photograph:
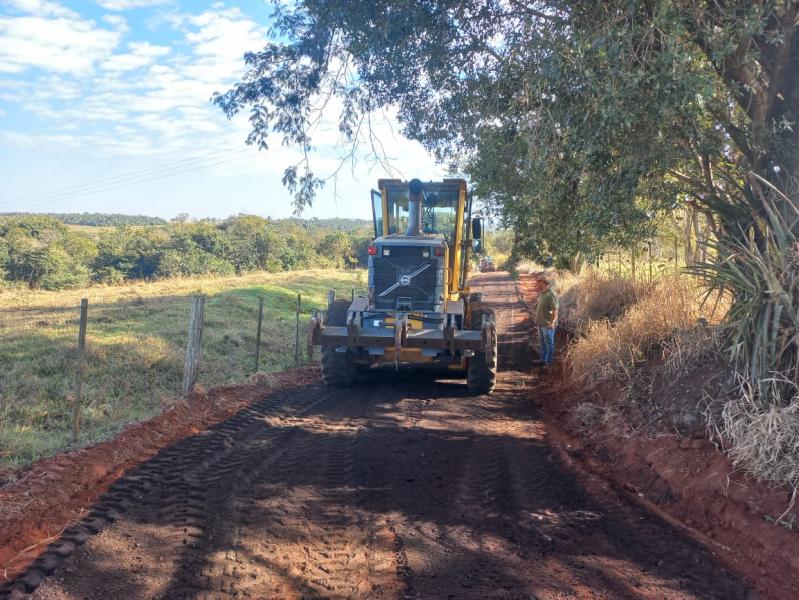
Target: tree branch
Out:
[537,13]
[737,135]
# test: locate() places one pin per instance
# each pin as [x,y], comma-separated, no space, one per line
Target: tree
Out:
[134,253]
[43,252]
[578,120]
[337,245]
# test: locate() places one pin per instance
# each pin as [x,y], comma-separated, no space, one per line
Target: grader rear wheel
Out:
[338,368]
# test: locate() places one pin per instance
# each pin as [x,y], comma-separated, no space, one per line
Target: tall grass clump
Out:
[611,349]
[595,297]
[759,268]
[761,432]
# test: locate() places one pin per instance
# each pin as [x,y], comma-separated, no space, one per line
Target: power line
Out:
[128,175]
[117,185]
[204,156]
[133,178]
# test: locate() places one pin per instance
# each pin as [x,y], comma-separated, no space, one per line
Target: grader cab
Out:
[418,308]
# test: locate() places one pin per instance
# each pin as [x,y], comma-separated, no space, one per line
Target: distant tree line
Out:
[97,219]
[43,252]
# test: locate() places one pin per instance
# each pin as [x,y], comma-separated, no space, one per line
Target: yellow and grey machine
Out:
[418,309]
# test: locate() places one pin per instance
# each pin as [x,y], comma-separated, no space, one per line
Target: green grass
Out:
[135,345]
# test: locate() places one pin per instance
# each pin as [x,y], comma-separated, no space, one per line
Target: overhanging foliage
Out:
[579,121]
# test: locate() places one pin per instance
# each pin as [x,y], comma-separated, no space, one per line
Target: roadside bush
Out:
[759,271]
[175,263]
[745,329]
[109,275]
[134,252]
[596,297]
[612,349]
[760,436]
[690,349]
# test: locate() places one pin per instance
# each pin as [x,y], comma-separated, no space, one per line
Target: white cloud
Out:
[118,22]
[144,99]
[224,34]
[141,54]
[30,140]
[60,44]
[40,8]
[164,90]
[129,4]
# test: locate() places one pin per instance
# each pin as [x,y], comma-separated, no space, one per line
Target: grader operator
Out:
[418,308]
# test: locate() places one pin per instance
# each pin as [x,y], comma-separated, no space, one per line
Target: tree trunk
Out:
[578,263]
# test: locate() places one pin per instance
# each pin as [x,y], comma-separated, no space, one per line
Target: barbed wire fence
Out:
[92,367]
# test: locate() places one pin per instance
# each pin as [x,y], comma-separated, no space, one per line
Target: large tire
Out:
[481,373]
[338,368]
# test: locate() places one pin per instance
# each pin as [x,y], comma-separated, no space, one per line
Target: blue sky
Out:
[104,107]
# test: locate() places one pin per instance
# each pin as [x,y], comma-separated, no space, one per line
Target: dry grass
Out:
[690,349]
[620,325]
[595,297]
[24,297]
[761,437]
[657,321]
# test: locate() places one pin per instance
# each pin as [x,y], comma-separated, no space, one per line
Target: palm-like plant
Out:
[759,269]
[759,425]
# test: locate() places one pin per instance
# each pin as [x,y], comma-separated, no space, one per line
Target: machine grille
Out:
[408,262]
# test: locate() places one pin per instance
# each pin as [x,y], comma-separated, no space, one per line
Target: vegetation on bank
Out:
[135,347]
[664,345]
[40,251]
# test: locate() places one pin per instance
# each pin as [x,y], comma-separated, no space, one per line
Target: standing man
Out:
[546,317]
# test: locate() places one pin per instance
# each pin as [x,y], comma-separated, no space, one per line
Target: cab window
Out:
[439,212]
[377,212]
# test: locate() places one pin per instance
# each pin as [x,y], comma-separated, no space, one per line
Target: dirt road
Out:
[402,487]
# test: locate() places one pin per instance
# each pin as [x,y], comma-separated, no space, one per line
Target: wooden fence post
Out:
[192,366]
[676,254]
[258,333]
[84,313]
[297,336]
[352,295]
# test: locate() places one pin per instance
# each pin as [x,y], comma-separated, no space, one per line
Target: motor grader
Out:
[418,309]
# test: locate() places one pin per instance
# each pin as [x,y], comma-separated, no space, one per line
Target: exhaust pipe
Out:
[415,199]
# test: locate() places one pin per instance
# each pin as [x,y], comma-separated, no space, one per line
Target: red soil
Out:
[55,492]
[689,482]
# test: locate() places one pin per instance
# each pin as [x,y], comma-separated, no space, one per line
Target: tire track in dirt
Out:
[402,487]
[180,490]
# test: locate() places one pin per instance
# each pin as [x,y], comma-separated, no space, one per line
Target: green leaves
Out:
[759,268]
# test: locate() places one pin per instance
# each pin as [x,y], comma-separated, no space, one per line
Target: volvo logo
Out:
[404,280]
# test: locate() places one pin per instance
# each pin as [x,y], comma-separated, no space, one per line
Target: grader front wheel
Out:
[481,374]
